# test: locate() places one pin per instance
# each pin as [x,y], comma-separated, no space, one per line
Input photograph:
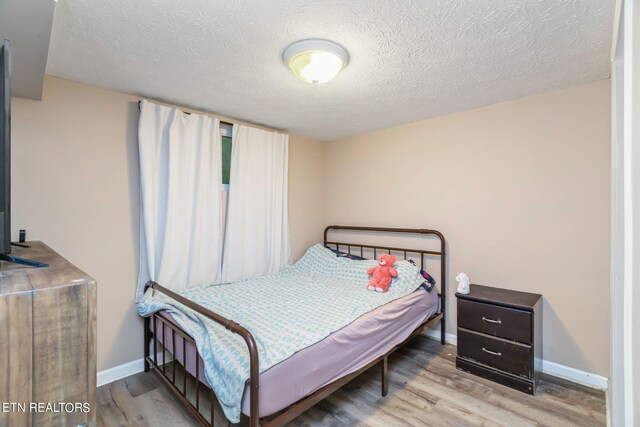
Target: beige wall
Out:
[75,187]
[521,190]
[306,191]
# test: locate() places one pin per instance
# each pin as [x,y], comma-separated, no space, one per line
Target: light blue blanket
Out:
[285,312]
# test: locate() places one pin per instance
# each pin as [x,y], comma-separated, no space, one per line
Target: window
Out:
[226,158]
[225,132]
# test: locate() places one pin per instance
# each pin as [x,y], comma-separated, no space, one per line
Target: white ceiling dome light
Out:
[315,60]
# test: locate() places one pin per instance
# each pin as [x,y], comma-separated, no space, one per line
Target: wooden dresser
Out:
[48,336]
[500,336]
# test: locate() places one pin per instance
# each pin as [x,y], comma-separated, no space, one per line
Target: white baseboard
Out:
[435,334]
[122,371]
[118,372]
[550,368]
[577,376]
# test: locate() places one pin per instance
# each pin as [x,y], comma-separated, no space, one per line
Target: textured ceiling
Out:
[409,60]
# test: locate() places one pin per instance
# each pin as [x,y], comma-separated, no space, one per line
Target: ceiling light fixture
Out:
[315,61]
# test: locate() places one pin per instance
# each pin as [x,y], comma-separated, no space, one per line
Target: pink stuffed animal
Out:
[382,273]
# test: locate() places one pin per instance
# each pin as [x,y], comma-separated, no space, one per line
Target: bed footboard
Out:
[152,362]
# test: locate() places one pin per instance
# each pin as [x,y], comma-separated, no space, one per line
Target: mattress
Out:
[339,354]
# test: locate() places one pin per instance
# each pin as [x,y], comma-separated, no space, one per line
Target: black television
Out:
[5,162]
[5,148]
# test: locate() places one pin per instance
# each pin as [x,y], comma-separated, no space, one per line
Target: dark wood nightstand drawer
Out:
[495,320]
[495,352]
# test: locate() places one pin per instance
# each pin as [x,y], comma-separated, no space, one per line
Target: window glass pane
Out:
[226,158]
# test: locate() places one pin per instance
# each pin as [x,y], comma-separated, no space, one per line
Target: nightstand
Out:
[500,336]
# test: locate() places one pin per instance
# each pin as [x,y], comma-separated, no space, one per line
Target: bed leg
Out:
[385,372]
[147,340]
[443,288]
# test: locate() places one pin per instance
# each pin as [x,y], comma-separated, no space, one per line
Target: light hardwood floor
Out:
[425,389]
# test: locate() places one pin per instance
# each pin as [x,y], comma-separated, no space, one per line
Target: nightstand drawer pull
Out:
[486,319]
[495,353]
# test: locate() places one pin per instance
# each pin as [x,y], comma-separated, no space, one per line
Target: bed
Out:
[278,394]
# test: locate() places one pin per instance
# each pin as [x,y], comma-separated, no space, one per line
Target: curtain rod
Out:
[188,114]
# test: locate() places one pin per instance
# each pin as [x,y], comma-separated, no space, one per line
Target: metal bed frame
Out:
[297,408]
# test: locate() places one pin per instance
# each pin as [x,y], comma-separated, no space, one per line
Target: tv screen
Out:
[5,149]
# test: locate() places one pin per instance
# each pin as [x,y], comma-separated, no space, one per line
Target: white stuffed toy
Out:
[463,283]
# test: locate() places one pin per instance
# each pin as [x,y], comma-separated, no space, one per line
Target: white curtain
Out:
[181,213]
[257,225]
